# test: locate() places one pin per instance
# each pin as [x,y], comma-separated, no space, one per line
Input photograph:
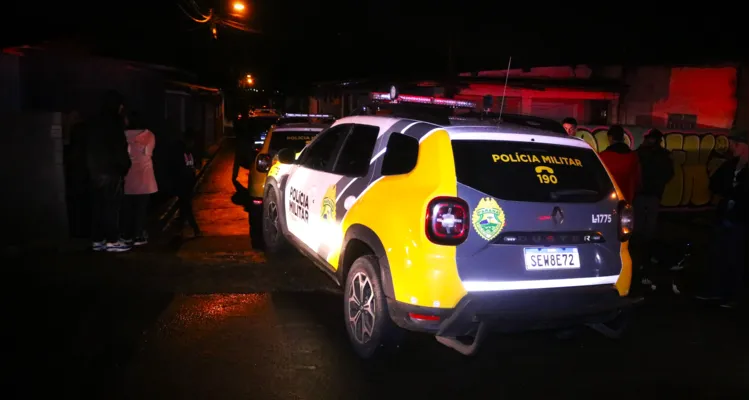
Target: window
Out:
[682,121]
[401,154]
[356,152]
[321,152]
[295,140]
[538,172]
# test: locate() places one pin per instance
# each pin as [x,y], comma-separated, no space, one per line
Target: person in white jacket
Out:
[140,181]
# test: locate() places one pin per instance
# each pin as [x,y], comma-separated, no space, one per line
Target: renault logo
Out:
[557,216]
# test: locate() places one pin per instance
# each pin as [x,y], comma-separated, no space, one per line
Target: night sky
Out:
[307,41]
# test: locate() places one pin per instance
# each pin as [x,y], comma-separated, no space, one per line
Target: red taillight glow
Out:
[422,317]
[263,162]
[447,220]
[626,220]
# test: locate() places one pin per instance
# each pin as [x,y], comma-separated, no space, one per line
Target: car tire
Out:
[273,240]
[370,330]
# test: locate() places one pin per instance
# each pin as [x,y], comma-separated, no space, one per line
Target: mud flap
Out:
[615,328]
[462,348]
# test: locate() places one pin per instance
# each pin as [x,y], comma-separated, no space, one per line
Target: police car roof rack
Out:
[423,108]
[491,118]
[420,112]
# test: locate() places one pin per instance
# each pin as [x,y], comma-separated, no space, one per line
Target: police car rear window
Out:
[290,139]
[538,172]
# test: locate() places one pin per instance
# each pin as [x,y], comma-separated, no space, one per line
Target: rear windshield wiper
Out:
[557,194]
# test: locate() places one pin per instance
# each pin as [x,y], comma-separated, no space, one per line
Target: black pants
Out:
[106,198]
[185,210]
[135,210]
[729,260]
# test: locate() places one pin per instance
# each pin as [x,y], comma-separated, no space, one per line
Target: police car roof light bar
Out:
[294,115]
[407,98]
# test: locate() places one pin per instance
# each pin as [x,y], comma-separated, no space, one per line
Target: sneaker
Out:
[707,297]
[99,246]
[140,241]
[649,284]
[675,289]
[730,304]
[117,247]
[128,242]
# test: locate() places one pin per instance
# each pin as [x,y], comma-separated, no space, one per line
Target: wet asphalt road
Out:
[212,318]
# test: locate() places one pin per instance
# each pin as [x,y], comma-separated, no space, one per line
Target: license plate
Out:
[551,258]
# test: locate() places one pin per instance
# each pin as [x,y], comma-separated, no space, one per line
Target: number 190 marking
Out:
[547,179]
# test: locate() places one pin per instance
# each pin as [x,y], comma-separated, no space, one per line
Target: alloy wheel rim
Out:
[361,308]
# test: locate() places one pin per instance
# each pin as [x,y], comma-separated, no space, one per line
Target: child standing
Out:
[186,183]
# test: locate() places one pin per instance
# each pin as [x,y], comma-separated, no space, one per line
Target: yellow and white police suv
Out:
[454,230]
[291,131]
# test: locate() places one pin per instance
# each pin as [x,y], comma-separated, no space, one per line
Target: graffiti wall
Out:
[696,156]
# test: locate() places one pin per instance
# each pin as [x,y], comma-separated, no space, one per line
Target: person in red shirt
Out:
[622,163]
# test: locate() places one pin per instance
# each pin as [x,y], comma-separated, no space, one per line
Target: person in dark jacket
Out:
[108,162]
[622,163]
[570,126]
[729,182]
[185,179]
[657,170]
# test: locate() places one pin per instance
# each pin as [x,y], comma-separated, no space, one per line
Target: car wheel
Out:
[272,236]
[370,329]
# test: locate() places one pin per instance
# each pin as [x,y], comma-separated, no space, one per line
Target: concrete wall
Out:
[653,93]
[32,177]
[656,92]
[52,81]
[741,121]
[10,87]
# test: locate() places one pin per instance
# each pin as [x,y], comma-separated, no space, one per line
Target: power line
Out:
[205,18]
[213,19]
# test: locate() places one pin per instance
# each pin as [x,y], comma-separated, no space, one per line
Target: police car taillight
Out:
[626,220]
[263,162]
[447,220]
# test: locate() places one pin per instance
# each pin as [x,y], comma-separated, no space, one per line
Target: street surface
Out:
[211,317]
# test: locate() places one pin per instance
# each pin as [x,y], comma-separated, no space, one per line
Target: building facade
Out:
[664,97]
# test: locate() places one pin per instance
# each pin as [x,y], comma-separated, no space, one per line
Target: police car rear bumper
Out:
[513,311]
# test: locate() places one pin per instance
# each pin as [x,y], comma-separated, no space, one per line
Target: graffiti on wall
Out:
[696,156]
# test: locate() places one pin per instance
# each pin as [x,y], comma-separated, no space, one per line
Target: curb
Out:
[166,217]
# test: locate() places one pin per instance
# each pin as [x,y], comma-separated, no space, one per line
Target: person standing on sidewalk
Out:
[657,171]
[185,179]
[108,162]
[729,247]
[622,163]
[140,182]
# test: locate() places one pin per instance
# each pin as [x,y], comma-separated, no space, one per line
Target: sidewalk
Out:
[164,208]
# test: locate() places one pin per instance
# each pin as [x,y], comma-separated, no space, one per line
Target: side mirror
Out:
[286,156]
